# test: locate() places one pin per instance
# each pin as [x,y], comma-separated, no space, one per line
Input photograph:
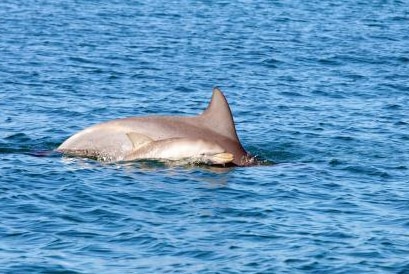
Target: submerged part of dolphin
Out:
[209,138]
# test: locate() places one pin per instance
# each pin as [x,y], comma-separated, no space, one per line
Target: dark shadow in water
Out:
[20,143]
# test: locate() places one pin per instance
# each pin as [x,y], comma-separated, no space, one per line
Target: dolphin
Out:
[208,138]
[193,150]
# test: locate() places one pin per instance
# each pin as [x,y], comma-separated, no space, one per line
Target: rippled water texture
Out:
[318,87]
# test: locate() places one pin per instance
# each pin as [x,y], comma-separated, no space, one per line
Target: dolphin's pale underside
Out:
[208,135]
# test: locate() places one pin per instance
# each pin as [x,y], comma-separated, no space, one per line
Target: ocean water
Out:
[320,88]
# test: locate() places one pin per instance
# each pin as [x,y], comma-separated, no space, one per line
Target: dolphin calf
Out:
[208,138]
[194,150]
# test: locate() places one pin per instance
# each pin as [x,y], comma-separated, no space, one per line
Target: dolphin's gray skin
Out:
[120,139]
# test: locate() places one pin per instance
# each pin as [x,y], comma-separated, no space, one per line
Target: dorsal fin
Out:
[138,140]
[218,116]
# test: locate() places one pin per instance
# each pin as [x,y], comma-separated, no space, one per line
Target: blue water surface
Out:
[319,87]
